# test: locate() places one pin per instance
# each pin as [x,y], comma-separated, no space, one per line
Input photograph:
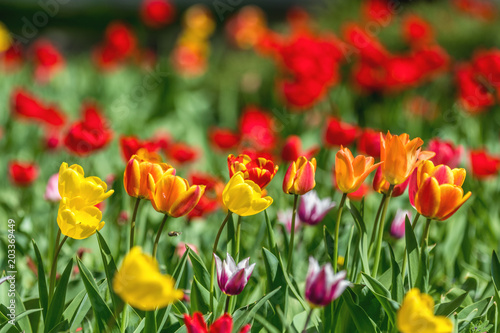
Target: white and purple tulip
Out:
[398,224]
[285,218]
[312,209]
[322,285]
[233,278]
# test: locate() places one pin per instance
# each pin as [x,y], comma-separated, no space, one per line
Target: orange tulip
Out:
[172,194]
[139,167]
[351,172]
[439,192]
[259,170]
[401,156]
[299,178]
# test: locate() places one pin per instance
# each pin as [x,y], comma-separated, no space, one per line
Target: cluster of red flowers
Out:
[119,45]
[479,81]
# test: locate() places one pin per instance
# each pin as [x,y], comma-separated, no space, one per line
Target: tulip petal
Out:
[305,179]
[258,205]
[187,201]
[427,199]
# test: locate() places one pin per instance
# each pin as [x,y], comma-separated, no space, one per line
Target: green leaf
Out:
[411,252]
[383,296]
[23,322]
[422,282]
[42,282]
[243,315]
[110,270]
[363,323]
[200,271]
[475,310]
[329,243]
[445,309]
[358,219]
[363,250]
[397,288]
[77,310]
[56,306]
[200,297]
[150,325]
[101,310]
[348,250]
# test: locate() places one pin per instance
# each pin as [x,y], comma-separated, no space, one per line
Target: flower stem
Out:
[212,268]
[380,234]
[309,315]
[375,225]
[413,224]
[158,234]
[337,227]
[292,235]
[226,309]
[53,269]
[425,235]
[132,223]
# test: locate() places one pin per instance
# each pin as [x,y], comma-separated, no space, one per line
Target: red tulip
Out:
[48,60]
[370,49]
[224,324]
[224,139]
[211,199]
[157,13]
[302,94]
[131,144]
[88,134]
[28,106]
[291,149]
[182,153]
[483,164]
[258,129]
[446,152]
[378,10]
[369,142]
[473,95]
[23,174]
[339,133]
[119,44]
[417,31]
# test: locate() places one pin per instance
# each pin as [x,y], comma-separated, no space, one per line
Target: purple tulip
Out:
[398,224]
[322,285]
[233,278]
[312,209]
[285,217]
[52,189]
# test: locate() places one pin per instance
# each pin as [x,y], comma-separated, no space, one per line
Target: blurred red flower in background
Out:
[182,153]
[89,134]
[27,106]
[446,152]
[369,142]
[48,60]
[211,198]
[379,10]
[131,144]
[417,31]
[292,149]
[22,173]
[247,27]
[257,129]
[224,139]
[12,58]
[483,164]
[339,133]
[118,45]
[157,13]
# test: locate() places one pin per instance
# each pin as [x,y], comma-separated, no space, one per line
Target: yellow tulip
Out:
[416,315]
[139,282]
[244,197]
[77,220]
[73,184]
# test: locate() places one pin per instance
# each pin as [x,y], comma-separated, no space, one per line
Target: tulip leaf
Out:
[200,297]
[411,252]
[329,243]
[200,271]
[23,322]
[475,310]
[422,282]
[495,272]
[363,323]
[42,282]
[445,309]
[383,296]
[77,310]
[110,270]
[274,279]
[397,288]
[101,310]
[363,250]
[348,251]
[56,306]
[150,324]
[244,315]
[358,219]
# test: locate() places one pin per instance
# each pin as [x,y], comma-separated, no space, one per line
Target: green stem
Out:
[413,224]
[380,234]
[212,268]
[53,269]
[425,235]
[309,315]
[158,234]
[337,227]
[132,223]
[226,308]
[238,238]
[375,225]
[292,235]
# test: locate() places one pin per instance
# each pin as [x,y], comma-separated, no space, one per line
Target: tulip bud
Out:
[322,285]
[233,278]
[299,178]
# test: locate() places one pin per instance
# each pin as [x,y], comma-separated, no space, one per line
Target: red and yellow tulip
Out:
[259,170]
[299,178]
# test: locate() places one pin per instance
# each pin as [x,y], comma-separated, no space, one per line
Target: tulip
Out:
[27,106]
[369,143]
[130,145]
[223,324]
[437,192]
[381,185]
[224,139]
[484,164]
[52,190]
[416,315]
[139,282]
[257,128]
[232,277]
[23,174]
[78,220]
[446,152]
[182,153]
[292,148]
[157,13]
[244,197]
[398,224]
[299,178]
[259,170]
[73,184]
[138,170]
[211,199]
[322,285]
[285,217]
[400,156]
[172,194]
[312,209]
[350,172]
[339,133]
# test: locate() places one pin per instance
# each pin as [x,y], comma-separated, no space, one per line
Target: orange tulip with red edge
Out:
[439,191]
[259,170]
[350,171]
[172,194]
[400,156]
[139,167]
[299,178]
